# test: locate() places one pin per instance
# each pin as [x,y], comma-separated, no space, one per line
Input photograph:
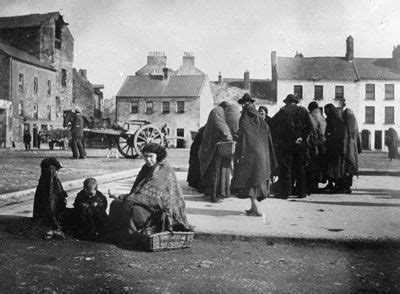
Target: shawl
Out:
[254,155]
[50,197]
[334,135]
[392,141]
[157,189]
[216,130]
[350,137]
[319,124]
[194,177]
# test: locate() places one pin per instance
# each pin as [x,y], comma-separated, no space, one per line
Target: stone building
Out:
[86,95]
[183,102]
[36,56]
[109,109]
[368,85]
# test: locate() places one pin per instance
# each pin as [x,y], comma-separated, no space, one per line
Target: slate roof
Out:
[23,56]
[26,21]
[376,68]
[259,88]
[324,68]
[154,86]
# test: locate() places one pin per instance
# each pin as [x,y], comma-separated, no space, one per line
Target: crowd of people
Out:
[289,154]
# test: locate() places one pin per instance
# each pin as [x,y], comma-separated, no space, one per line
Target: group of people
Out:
[154,204]
[27,138]
[288,154]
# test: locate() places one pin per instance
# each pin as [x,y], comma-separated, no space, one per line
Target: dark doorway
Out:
[180,142]
[378,140]
[365,140]
[3,127]
[35,131]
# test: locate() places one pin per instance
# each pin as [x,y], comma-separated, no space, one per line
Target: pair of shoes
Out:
[252,213]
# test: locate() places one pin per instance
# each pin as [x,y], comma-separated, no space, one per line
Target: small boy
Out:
[90,206]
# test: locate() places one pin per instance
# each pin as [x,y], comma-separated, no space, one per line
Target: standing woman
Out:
[392,141]
[254,157]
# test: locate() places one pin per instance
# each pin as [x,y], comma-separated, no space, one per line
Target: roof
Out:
[24,56]
[26,21]
[324,68]
[376,68]
[259,88]
[154,86]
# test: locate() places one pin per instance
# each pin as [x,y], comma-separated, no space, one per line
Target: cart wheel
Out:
[126,147]
[147,134]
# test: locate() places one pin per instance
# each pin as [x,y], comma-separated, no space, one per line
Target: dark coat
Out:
[27,138]
[350,139]
[392,141]
[77,126]
[194,175]
[84,197]
[254,155]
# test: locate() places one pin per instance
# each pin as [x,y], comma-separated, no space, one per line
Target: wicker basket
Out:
[167,241]
[226,149]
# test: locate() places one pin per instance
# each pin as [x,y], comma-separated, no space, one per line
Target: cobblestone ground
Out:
[211,265]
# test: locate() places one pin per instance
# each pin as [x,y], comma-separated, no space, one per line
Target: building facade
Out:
[36,55]
[369,87]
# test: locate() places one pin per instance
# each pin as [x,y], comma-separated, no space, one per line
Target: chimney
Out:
[157,58]
[246,80]
[188,59]
[299,55]
[219,78]
[396,57]
[273,58]
[349,48]
[165,73]
[83,72]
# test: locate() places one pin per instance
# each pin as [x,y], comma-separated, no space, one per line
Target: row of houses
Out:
[37,79]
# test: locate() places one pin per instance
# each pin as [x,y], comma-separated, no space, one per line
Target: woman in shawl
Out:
[50,200]
[254,157]
[263,111]
[392,141]
[194,176]
[155,202]
[216,169]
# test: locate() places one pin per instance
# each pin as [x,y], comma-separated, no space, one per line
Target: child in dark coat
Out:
[90,208]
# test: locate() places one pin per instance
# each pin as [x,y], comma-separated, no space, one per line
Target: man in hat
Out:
[291,127]
[77,147]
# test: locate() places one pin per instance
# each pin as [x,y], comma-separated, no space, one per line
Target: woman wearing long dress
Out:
[392,141]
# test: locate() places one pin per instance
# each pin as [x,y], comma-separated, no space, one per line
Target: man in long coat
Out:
[77,147]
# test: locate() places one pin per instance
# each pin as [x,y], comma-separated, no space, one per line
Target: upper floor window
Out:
[63,77]
[298,91]
[57,42]
[318,92]
[389,115]
[389,91]
[369,114]
[21,108]
[35,85]
[339,92]
[134,107]
[165,107]
[21,81]
[149,107]
[180,106]
[48,87]
[370,91]
[35,111]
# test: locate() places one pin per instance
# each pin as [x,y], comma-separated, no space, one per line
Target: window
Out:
[35,85]
[370,91]
[318,92]
[149,107]
[369,114]
[35,111]
[134,107]
[180,105]
[389,91]
[48,87]
[48,112]
[21,108]
[165,107]
[57,42]
[339,92]
[298,91]
[21,82]
[58,104]
[64,77]
[389,115]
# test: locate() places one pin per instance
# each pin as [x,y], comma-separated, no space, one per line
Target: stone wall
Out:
[83,94]
[4,76]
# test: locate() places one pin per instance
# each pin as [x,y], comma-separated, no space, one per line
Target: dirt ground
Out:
[210,266]
[21,169]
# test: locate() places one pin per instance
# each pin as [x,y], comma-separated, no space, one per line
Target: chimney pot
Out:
[165,73]
[246,80]
[219,78]
[349,48]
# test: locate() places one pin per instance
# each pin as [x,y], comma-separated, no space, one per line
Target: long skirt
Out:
[259,192]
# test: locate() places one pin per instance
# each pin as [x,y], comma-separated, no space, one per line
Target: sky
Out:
[113,37]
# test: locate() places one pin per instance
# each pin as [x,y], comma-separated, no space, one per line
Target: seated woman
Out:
[155,203]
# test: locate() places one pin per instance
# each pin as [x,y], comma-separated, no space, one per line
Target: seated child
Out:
[90,208]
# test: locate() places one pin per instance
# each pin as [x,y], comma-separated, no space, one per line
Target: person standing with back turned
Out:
[77,147]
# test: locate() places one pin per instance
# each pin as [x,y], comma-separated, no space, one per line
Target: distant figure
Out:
[164,132]
[392,141]
[38,139]
[263,111]
[111,143]
[77,145]
[65,143]
[27,140]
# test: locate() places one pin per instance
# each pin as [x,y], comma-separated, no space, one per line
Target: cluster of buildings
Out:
[37,79]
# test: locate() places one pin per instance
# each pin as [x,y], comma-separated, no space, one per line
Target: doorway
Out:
[378,140]
[34,135]
[365,140]
[3,128]
[180,142]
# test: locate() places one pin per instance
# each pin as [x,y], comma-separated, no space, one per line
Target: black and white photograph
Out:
[199,146]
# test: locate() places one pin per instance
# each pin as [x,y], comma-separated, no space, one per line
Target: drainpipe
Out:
[10,99]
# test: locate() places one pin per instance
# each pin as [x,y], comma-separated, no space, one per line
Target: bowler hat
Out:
[291,99]
[246,98]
